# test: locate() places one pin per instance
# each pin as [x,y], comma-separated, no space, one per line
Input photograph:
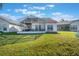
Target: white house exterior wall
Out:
[4,24]
[54,26]
[17,28]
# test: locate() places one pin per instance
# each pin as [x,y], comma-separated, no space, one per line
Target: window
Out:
[0,28]
[39,27]
[74,27]
[36,28]
[4,29]
[42,27]
[50,27]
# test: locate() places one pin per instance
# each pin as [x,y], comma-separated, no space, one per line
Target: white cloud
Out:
[59,16]
[25,5]
[57,13]
[41,7]
[50,5]
[23,11]
[8,9]
[36,13]
[40,15]
[6,15]
[31,12]
[38,8]
[30,8]
[26,12]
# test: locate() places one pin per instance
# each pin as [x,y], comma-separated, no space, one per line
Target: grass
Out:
[8,33]
[12,39]
[61,44]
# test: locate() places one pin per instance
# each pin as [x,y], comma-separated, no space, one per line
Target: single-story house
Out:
[40,25]
[68,26]
[74,26]
[63,26]
[8,25]
[29,24]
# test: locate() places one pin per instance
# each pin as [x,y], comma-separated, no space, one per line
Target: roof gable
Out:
[35,19]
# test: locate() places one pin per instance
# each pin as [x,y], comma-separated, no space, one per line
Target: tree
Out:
[62,20]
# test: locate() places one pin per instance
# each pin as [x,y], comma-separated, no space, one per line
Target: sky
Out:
[56,11]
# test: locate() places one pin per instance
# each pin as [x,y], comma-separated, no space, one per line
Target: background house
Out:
[63,26]
[8,25]
[68,26]
[74,26]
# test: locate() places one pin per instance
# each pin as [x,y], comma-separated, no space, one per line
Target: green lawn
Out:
[63,43]
[12,39]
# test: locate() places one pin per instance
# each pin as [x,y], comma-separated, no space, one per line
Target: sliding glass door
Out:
[39,27]
[49,27]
